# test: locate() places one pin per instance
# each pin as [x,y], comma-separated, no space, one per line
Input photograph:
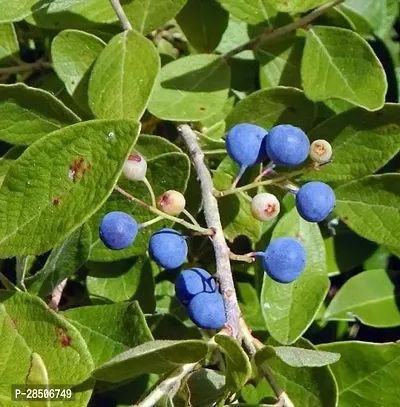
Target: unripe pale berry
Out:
[207,310]
[284,259]
[245,144]
[172,202]
[135,168]
[320,151]
[287,145]
[265,206]
[118,230]
[315,200]
[168,248]
[192,282]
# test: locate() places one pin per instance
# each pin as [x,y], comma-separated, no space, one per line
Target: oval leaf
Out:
[16,11]
[357,77]
[59,182]
[289,309]
[123,77]
[298,357]
[27,114]
[191,88]
[250,11]
[9,49]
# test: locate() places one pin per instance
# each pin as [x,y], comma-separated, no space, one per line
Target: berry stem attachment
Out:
[191,217]
[119,11]
[265,172]
[150,222]
[213,221]
[246,258]
[150,188]
[237,179]
[187,225]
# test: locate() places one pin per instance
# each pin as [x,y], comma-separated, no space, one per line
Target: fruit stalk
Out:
[119,11]
[213,221]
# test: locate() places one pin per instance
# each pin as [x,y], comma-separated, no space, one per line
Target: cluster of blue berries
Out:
[287,146]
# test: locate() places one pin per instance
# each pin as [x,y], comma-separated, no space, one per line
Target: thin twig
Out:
[7,283]
[242,257]
[57,294]
[269,35]
[119,11]
[151,191]
[26,67]
[213,221]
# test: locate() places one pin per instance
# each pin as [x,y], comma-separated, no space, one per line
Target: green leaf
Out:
[9,47]
[16,11]
[32,339]
[191,88]
[123,281]
[362,143]
[250,11]
[27,114]
[122,88]
[74,66]
[162,178]
[358,78]
[289,309]
[8,159]
[370,297]
[105,341]
[375,381]
[298,357]
[307,386]
[369,207]
[238,366]
[151,357]
[61,5]
[296,6]
[280,62]
[75,169]
[269,107]
[64,260]
[203,23]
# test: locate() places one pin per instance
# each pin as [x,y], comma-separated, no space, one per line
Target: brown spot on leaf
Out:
[202,108]
[56,201]
[79,169]
[13,323]
[62,337]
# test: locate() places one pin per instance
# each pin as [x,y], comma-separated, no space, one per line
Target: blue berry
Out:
[287,145]
[207,310]
[315,201]
[168,248]
[245,144]
[192,282]
[284,259]
[118,230]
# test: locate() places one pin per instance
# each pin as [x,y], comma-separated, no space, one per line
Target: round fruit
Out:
[192,282]
[118,230]
[245,144]
[315,200]
[168,248]
[207,310]
[172,202]
[284,259]
[320,151]
[135,168]
[287,145]
[265,206]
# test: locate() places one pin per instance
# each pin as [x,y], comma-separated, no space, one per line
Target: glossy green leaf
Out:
[370,297]
[358,78]
[123,77]
[105,341]
[162,178]
[123,281]
[9,47]
[362,143]
[61,5]
[370,207]
[64,260]
[203,22]
[280,62]
[250,11]
[16,11]
[27,114]
[306,386]
[75,170]
[375,380]
[269,107]
[289,309]
[238,366]
[74,66]
[151,357]
[191,88]
[296,6]
[31,340]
